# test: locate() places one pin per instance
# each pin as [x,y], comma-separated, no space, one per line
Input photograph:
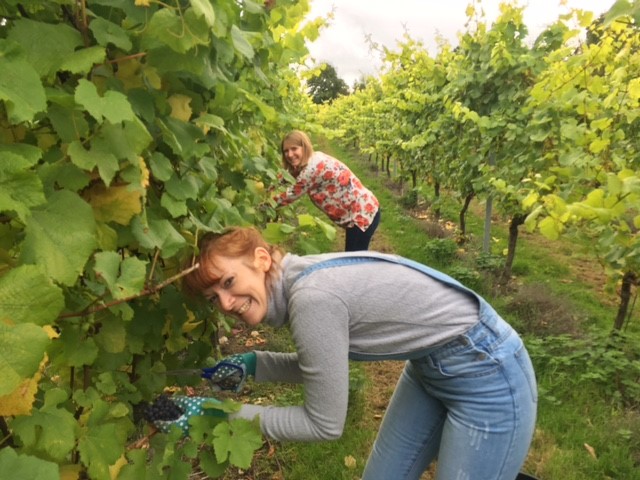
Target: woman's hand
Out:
[190,407]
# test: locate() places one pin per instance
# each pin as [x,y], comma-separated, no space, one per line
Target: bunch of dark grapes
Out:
[162,408]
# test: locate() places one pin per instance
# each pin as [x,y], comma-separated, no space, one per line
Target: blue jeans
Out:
[356,239]
[470,404]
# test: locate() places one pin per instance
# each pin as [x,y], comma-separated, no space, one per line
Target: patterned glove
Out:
[190,406]
[231,373]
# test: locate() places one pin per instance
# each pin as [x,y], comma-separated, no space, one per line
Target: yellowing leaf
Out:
[142,3]
[350,462]
[180,108]
[598,145]
[634,89]
[144,170]
[550,228]
[530,200]
[70,472]
[190,325]
[114,470]
[129,71]
[591,450]
[114,204]
[20,401]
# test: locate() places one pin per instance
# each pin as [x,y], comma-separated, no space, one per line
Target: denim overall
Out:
[470,404]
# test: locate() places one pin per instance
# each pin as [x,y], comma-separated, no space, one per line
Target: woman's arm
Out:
[320,329]
[304,182]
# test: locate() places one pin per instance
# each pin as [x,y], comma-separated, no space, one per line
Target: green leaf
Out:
[61,243]
[203,8]
[20,87]
[49,431]
[82,61]
[99,447]
[210,466]
[240,43]
[22,348]
[114,106]
[124,141]
[108,32]
[236,441]
[20,187]
[112,336]
[29,296]
[182,137]
[182,188]
[68,122]
[158,234]
[549,228]
[29,153]
[107,266]
[161,166]
[181,33]
[47,45]
[27,467]
[132,277]
[74,349]
[137,468]
[176,208]
[124,278]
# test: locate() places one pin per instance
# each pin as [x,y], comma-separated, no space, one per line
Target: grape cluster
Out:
[162,408]
[229,383]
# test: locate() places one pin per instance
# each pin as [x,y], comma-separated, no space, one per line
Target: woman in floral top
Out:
[332,187]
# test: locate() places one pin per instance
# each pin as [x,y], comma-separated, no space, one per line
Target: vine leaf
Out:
[22,348]
[26,467]
[20,188]
[236,441]
[49,431]
[113,106]
[117,204]
[28,296]
[20,401]
[100,447]
[203,8]
[108,32]
[157,234]
[47,46]
[82,61]
[20,88]
[123,277]
[60,242]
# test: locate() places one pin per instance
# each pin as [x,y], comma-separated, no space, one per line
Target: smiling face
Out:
[240,289]
[296,151]
[294,154]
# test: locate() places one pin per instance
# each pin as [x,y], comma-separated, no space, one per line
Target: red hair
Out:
[234,242]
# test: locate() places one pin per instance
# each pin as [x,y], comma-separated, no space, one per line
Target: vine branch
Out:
[143,293]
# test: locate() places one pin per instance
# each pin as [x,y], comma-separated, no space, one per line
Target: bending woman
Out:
[467,396]
[332,187]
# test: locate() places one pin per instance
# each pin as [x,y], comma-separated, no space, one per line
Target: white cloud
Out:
[343,44]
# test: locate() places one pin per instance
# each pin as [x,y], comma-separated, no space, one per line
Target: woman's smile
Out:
[240,290]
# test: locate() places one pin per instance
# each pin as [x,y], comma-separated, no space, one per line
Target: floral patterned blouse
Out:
[335,190]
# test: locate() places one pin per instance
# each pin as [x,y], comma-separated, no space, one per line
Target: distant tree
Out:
[326,86]
[359,84]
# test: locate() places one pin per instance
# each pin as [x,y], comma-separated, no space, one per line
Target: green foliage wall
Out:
[127,128]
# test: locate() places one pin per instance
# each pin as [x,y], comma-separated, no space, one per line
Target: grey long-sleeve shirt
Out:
[381,310]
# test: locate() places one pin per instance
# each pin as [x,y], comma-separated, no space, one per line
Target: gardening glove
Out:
[231,372]
[190,407]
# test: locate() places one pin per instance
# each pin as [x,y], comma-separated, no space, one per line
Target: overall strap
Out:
[353,260]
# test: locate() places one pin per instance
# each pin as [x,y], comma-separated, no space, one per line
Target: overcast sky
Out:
[343,44]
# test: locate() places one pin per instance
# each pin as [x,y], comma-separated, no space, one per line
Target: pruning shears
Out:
[222,376]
